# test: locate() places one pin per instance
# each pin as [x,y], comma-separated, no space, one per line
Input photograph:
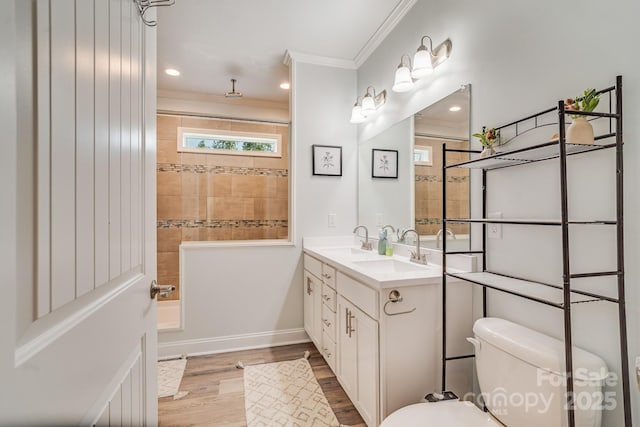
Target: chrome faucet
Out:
[416,256]
[366,244]
[439,235]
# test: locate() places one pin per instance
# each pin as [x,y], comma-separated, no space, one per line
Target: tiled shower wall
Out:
[208,197]
[428,197]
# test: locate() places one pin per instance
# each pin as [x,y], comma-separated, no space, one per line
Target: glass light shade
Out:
[368,105]
[403,82]
[422,65]
[356,115]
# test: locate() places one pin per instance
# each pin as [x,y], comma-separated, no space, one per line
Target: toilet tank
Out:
[520,372]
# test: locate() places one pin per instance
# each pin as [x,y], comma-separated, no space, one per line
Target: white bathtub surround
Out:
[377,321]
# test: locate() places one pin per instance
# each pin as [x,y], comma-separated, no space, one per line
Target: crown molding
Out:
[308,58]
[383,31]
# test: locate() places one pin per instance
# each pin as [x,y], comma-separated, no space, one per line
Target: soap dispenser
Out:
[382,242]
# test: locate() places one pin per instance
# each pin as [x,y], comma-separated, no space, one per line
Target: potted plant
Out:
[580,131]
[488,138]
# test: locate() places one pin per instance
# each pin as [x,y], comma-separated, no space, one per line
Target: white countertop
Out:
[380,271]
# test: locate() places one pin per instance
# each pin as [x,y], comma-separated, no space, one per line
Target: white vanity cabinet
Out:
[312,307]
[320,307]
[358,358]
[386,355]
[329,325]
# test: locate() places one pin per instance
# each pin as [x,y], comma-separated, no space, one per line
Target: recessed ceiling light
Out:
[455,108]
[285,85]
[172,72]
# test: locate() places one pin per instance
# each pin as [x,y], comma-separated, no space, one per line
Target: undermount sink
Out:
[347,251]
[389,266]
[350,253]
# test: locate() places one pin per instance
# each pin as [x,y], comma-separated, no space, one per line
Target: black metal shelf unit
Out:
[559,296]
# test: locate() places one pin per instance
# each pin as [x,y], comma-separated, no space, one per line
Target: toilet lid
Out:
[440,414]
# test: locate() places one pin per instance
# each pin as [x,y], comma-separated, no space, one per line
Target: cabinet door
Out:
[366,335]
[347,351]
[312,307]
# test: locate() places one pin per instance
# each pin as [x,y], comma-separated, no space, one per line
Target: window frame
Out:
[184,132]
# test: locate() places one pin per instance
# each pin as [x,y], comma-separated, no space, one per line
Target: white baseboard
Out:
[224,344]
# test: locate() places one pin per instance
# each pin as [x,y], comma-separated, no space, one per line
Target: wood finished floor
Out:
[216,390]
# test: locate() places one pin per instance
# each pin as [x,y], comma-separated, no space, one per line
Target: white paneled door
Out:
[77,214]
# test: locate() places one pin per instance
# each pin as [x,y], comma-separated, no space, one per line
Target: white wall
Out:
[321,104]
[390,198]
[522,58]
[248,296]
[219,106]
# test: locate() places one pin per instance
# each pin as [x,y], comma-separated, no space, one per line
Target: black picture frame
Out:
[384,163]
[326,160]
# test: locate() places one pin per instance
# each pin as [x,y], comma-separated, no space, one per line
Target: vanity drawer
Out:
[362,296]
[313,266]
[329,351]
[329,322]
[329,297]
[329,275]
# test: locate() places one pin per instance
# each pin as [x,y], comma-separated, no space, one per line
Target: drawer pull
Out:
[350,326]
[346,321]
[326,297]
[327,352]
[326,322]
[326,276]
[309,286]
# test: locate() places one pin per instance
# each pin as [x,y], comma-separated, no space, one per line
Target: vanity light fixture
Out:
[172,72]
[372,101]
[285,85]
[403,81]
[369,105]
[455,108]
[356,113]
[422,60]
[426,59]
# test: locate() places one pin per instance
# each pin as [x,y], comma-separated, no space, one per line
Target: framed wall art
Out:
[384,163]
[327,160]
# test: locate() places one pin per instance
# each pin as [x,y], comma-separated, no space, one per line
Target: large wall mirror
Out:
[413,199]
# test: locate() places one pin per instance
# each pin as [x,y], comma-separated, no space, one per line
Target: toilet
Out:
[520,376]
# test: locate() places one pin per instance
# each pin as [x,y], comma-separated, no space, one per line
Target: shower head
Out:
[233,93]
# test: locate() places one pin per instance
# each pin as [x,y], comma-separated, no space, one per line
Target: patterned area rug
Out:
[169,376]
[285,394]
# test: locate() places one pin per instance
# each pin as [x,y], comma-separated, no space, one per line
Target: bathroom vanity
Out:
[377,321]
